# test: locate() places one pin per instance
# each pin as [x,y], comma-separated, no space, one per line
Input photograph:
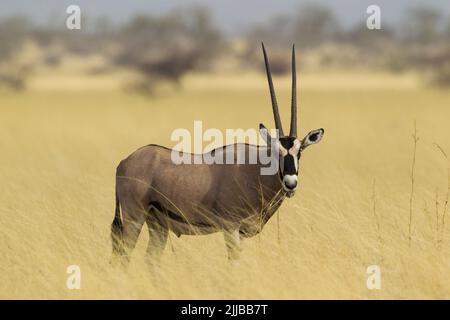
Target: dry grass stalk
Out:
[445,205]
[374,210]
[411,198]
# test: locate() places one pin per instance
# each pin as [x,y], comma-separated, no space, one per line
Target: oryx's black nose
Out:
[291,185]
[290,182]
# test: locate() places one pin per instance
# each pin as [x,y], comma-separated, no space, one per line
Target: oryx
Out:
[186,199]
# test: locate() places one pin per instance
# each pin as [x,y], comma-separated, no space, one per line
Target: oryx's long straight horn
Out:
[276,113]
[293,131]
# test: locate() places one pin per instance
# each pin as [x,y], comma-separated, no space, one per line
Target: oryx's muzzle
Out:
[290,183]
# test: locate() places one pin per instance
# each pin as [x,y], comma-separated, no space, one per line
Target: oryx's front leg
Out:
[233,244]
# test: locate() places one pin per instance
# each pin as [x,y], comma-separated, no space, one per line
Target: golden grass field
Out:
[62,139]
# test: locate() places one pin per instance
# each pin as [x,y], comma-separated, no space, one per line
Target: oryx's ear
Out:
[311,138]
[265,134]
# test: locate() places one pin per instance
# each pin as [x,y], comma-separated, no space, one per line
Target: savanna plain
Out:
[62,138]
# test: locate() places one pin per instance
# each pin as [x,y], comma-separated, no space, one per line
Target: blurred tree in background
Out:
[426,44]
[313,25]
[13,32]
[166,47]
[423,25]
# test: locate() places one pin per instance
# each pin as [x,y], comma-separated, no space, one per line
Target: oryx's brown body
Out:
[200,198]
[193,198]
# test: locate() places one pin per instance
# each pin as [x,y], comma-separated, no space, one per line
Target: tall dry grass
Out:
[60,146]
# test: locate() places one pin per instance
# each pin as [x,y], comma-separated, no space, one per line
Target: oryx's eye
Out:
[313,137]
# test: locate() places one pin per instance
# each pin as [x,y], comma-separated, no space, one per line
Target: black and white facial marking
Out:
[290,152]
[289,160]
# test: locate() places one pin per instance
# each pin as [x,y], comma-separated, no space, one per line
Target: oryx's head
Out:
[289,147]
